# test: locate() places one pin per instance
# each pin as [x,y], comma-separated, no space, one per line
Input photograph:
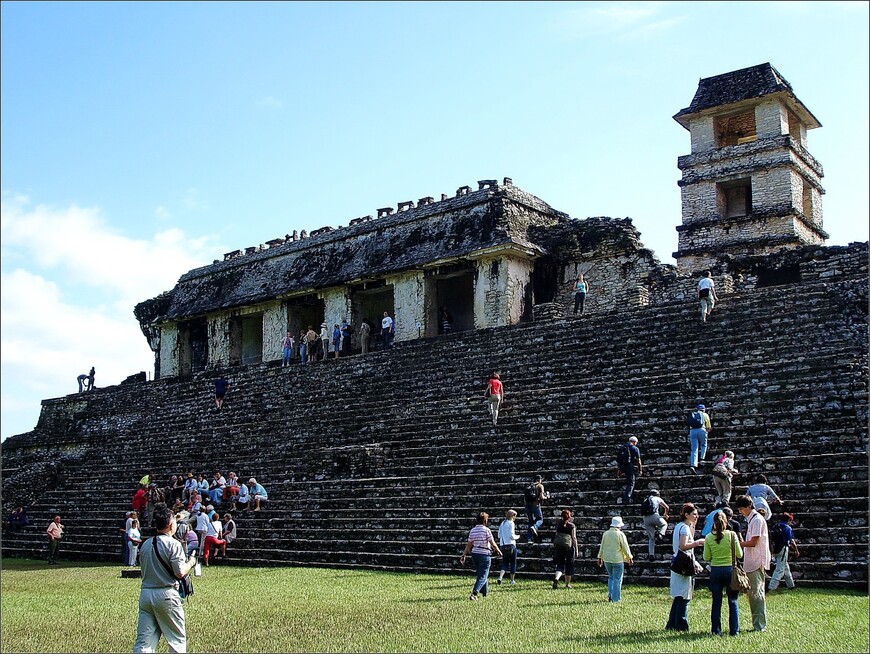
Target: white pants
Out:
[160,612]
[652,525]
[132,553]
[494,403]
[782,572]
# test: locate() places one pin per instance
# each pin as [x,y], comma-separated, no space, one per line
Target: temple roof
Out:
[494,217]
[744,84]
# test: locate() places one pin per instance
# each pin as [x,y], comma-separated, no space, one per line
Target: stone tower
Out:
[749,186]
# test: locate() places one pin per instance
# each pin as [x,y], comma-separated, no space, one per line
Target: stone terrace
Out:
[381,461]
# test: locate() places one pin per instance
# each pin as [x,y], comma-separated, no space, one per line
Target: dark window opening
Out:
[779,276]
[735,130]
[734,198]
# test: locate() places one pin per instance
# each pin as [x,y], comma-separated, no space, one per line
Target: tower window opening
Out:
[736,129]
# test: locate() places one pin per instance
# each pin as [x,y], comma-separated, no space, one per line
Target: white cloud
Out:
[625,20]
[69,285]
[270,102]
[162,213]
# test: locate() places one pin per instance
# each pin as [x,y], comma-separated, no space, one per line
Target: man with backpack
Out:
[629,464]
[699,427]
[533,496]
[781,537]
[655,518]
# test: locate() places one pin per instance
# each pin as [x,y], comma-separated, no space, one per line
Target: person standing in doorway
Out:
[706,295]
[287,349]
[55,534]
[365,331]
[495,395]
[388,330]
[336,340]
[581,287]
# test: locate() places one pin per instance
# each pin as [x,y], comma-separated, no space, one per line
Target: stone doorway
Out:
[304,312]
[368,302]
[193,353]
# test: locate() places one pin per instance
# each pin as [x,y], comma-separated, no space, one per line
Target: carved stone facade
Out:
[749,186]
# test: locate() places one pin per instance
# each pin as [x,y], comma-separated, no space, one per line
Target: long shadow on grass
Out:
[633,638]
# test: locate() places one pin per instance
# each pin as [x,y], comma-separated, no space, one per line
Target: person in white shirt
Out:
[201,529]
[387,330]
[134,539]
[707,296]
[507,540]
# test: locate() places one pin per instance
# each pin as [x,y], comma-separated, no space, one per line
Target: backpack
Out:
[776,538]
[696,420]
[531,494]
[648,507]
[623,455]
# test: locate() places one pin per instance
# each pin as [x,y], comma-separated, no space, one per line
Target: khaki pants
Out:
[160,613]
[756,599]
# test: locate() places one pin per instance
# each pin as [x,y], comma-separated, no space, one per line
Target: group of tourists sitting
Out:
[193,501]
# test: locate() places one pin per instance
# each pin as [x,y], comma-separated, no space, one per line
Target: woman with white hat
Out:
[613,554]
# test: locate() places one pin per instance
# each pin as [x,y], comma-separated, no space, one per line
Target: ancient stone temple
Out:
[749,186]
[381,460]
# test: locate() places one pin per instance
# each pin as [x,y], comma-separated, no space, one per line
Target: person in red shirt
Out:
[495,394]
[140,501]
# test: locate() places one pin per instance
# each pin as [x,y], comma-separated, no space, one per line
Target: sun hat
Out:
[616,521]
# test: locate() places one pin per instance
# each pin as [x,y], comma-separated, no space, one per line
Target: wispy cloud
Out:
[270,102]
[623,20]
[162,213]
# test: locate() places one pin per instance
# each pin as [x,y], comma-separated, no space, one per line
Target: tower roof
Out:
[744,84]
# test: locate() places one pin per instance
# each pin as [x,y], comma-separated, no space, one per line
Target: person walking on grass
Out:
[507,539]
[481,545]
[565,549]
[160,609]
[756,561]
[721,549]
[613,554]
[55,534]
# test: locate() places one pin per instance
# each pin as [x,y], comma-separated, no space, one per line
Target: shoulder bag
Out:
[185,584]
[683,564]
[739,580]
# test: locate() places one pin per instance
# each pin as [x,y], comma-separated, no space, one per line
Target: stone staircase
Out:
[382,461]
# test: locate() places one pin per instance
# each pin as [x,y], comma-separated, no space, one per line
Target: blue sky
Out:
[140,140]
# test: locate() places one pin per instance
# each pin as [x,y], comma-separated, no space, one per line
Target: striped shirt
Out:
[481,540]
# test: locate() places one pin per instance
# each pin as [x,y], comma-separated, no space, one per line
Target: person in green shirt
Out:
[718,546]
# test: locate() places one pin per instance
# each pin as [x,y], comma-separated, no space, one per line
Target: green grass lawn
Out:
[89,608]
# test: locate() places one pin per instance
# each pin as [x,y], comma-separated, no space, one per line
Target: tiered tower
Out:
[749,187]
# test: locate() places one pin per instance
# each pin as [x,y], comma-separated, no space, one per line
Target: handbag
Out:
[685,565]
[185,584]
[739,580]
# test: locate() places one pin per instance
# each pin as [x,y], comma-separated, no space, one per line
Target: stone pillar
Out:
[500,290]
[701,134]
[336,307]
[274,330]
[770,119]
[169,363]
[409,300]
[218,340]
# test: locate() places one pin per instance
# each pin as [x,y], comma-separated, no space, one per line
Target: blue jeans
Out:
[509,558]
[536,519]
[287,356]
[678,620]
[630,476]
[482,563]
[614,580]
[303,353]
[216,495]
[697,440]
[720,579]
